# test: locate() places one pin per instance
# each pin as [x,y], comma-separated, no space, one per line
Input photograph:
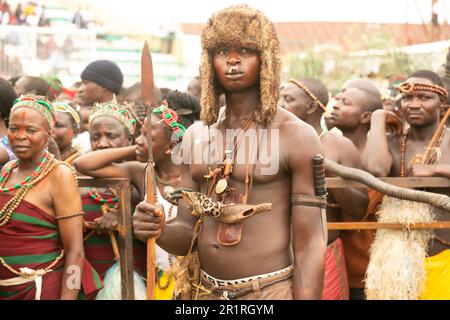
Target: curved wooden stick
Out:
[434,199]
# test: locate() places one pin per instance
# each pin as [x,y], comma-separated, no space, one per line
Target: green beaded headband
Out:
[115,111]
[66,108]
[170,118]
[38,103]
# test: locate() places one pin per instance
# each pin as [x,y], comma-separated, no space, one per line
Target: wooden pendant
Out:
[221,186]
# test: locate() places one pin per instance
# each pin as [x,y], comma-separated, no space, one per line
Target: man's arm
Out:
[173,237]
[103,163]
[352,201]
[308,235]
[376,157]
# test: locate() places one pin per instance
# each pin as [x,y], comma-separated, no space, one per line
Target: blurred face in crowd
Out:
[89,93]
[347,110]
[64,131]
[295,100]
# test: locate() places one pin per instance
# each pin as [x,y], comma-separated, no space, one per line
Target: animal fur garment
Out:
[240,26]
[396,269]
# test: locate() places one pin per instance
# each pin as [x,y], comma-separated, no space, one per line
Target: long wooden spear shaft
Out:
[147,95]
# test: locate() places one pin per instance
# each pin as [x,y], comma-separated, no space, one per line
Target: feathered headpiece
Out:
[245,27]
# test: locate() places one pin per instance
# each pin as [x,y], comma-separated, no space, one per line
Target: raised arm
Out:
[104,163]
[376,157]
[353,201]
[67,202]
[308,235]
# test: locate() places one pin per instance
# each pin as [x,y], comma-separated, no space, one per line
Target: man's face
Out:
[295,100]
[236,68]
[89,93]
[107,132]
[421,107]
[347,111]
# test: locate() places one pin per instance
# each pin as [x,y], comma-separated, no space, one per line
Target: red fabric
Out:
[335,285]
[98,249]
[31,236]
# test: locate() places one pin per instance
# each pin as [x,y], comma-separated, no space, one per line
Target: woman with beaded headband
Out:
[424,150]
[41,224]
[238,259]
[169,122]
[66,129]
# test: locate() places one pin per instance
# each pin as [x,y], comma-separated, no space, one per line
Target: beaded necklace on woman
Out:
[42,170]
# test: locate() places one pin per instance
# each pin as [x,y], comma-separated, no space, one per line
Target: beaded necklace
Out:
[68,153]
[403,151]
[7,172]
[93,193]
[173,183]
[14,202]
[431,161]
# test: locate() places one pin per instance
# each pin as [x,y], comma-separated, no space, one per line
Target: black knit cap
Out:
[105,73]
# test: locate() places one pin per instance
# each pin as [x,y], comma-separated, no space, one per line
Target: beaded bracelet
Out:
[76,214]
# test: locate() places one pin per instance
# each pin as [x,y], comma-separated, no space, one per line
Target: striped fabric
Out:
[335,286]
[98,249]
[31,239]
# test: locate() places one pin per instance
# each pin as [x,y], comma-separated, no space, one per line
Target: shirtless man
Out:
[423,95]
[351,114]
[307,98]
[246,67]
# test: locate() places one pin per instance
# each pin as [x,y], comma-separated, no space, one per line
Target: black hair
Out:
[187,107]
[317,88]
[429,75]
[36,85]
[370,91]
[7,98]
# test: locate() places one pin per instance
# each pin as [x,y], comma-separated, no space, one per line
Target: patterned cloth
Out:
[98,249]
[335,285]
[31,239]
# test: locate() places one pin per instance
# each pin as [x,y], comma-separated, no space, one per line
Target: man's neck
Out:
[357,135]
[108,97]
[315,123]
[424,133]
[166,169]
[241,105]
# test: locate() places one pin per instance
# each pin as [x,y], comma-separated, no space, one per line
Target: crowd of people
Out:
[238,212]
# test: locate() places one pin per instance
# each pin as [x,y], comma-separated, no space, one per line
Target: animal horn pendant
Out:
[226,213]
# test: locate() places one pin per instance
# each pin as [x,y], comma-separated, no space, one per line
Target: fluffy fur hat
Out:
[241,25]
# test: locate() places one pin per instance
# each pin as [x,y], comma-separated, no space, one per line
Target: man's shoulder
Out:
[338,141]
[287,121]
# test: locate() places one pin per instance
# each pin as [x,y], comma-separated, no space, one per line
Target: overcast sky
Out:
[145,14]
